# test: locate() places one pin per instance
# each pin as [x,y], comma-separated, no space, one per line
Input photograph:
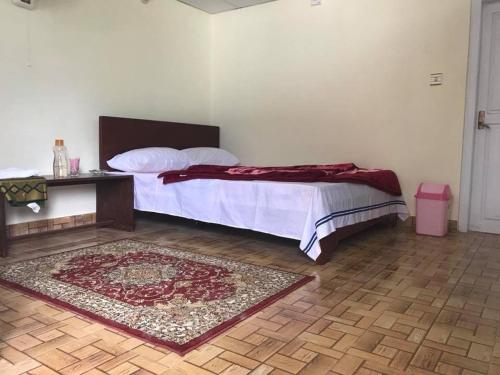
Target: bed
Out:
[317,214]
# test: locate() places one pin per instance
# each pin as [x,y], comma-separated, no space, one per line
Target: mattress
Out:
[306,212]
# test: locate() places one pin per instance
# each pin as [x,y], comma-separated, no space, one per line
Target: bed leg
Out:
[328,246]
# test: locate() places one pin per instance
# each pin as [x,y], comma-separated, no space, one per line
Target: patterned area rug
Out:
[171,298]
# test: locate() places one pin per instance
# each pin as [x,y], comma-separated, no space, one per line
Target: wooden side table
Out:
[114,202]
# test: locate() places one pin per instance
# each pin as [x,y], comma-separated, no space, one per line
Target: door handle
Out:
[481,121]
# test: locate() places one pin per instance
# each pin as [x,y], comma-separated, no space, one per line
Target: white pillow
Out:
[210,156]
[151,159]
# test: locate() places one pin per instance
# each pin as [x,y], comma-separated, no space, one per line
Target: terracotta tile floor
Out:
[389,302]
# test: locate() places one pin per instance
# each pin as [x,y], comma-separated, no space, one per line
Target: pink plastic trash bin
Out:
[432,209]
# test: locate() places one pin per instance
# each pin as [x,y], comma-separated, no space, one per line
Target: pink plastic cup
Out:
[74,166]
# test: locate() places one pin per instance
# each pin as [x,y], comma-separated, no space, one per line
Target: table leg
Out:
[115,201]
[4,242]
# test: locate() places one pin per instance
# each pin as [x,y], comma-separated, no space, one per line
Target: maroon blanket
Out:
[384,180]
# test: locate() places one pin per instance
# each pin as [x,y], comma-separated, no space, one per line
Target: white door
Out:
[485,203]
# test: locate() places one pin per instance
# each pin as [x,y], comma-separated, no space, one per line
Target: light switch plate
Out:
[437,79]
[315,2]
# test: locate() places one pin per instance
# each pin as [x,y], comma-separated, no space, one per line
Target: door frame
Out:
[470,113]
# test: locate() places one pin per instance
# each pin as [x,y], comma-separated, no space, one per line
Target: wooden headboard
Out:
[117,135]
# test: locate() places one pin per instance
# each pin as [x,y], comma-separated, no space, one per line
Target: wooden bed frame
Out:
[117,135]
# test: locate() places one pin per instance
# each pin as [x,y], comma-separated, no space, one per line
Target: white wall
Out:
[345,81]
[288,83]
[89,58]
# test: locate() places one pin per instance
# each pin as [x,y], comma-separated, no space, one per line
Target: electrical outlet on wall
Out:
[315,2]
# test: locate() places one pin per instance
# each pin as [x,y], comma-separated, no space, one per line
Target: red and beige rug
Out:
[168,297]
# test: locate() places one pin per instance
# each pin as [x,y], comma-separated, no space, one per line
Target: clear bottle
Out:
[61,163]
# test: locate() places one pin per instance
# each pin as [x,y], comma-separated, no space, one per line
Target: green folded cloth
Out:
[22,191]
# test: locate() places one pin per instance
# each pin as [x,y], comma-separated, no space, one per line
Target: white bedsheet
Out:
[301,211]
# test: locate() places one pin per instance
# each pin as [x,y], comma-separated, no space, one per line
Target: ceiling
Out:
[218,6]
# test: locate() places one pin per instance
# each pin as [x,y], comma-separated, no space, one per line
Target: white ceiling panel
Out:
[218,6]
[247,3]
[209,6]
